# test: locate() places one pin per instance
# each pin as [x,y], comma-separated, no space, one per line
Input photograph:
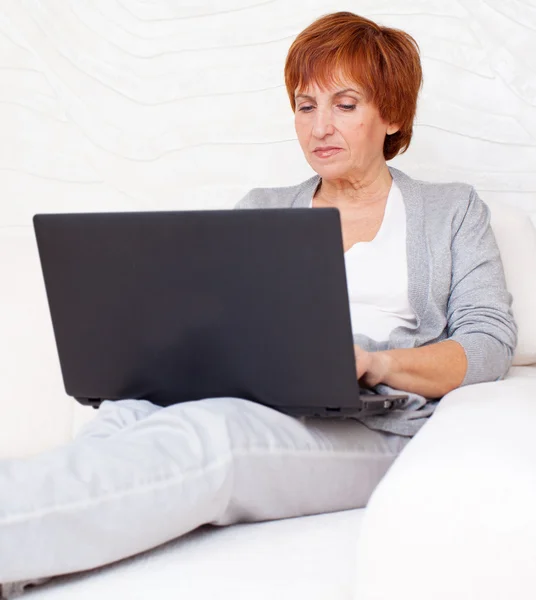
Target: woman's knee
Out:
[114,416]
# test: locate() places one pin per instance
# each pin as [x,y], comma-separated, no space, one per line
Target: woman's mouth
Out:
[326,151]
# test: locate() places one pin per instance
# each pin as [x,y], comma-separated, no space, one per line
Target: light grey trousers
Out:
[139,475]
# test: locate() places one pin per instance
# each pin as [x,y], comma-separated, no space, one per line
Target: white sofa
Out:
[454,518]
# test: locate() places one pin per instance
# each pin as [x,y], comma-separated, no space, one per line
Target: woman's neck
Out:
[357,189]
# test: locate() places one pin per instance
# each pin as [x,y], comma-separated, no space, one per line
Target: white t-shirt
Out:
[377,276]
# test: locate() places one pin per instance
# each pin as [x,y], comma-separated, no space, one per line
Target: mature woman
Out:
[429,308]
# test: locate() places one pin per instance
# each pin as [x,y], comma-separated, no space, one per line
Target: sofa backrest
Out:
[516,238]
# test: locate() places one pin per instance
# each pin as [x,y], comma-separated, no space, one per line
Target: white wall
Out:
[131,104]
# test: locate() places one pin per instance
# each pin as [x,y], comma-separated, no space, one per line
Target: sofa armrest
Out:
[455,517]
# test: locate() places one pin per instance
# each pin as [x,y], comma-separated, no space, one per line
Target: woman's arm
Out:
[431,371]
[479,312]
[481,330]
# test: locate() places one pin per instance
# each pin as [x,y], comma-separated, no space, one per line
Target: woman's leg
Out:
[140,475]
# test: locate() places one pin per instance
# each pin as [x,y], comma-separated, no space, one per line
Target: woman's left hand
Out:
[372,367]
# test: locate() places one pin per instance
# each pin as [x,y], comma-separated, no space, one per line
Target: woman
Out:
[432,315]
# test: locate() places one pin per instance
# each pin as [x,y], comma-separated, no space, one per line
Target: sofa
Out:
[454,517]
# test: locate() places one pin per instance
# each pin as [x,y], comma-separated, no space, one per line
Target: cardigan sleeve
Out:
[479,310]
[250,200]
[265,198]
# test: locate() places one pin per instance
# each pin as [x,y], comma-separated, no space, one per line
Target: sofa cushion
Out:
[309,558]
[454,518]
[516,238]
[35,412]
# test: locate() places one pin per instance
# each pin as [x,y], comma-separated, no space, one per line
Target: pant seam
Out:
[179,478]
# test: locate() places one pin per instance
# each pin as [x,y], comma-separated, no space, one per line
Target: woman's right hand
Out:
[371,367]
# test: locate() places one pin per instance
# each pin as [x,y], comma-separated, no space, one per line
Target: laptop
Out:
[178,306]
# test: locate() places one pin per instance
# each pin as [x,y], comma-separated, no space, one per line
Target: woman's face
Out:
[340,132]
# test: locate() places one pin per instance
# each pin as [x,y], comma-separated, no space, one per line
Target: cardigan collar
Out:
[417,246]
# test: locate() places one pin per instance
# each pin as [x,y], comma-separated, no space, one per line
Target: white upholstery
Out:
[516,238]
[455,516]
[310,558]
[35,412]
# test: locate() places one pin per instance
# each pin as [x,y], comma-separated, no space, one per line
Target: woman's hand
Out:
[431,371]
[372,367]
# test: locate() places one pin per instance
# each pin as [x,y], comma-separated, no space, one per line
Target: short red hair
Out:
[385,62]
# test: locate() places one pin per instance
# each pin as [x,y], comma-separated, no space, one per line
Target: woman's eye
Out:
[306,108]
[347,106]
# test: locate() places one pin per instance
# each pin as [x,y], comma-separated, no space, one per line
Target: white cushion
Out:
[309,558]
[454,517]
[516,237]
[35,412]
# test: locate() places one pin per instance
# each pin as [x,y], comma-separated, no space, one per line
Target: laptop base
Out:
[376,404]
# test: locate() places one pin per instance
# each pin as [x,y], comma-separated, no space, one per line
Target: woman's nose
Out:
[323,124]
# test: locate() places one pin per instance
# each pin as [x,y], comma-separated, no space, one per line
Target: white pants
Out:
[139,475]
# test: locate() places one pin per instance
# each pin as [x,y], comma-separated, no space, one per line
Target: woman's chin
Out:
[329,171]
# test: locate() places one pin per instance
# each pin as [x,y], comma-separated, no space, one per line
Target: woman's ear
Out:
[392,128]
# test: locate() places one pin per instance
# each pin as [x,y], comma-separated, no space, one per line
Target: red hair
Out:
[385,62]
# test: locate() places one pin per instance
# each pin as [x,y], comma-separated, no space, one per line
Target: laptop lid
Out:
[178,306]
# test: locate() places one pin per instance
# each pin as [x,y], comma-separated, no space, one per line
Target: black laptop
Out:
[177,306]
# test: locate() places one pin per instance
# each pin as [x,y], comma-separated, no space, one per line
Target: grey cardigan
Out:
[456,283]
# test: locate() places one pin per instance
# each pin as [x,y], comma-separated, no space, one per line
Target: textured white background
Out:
[161,104]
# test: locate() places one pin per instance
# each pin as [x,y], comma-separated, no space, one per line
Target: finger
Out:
[361,363]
